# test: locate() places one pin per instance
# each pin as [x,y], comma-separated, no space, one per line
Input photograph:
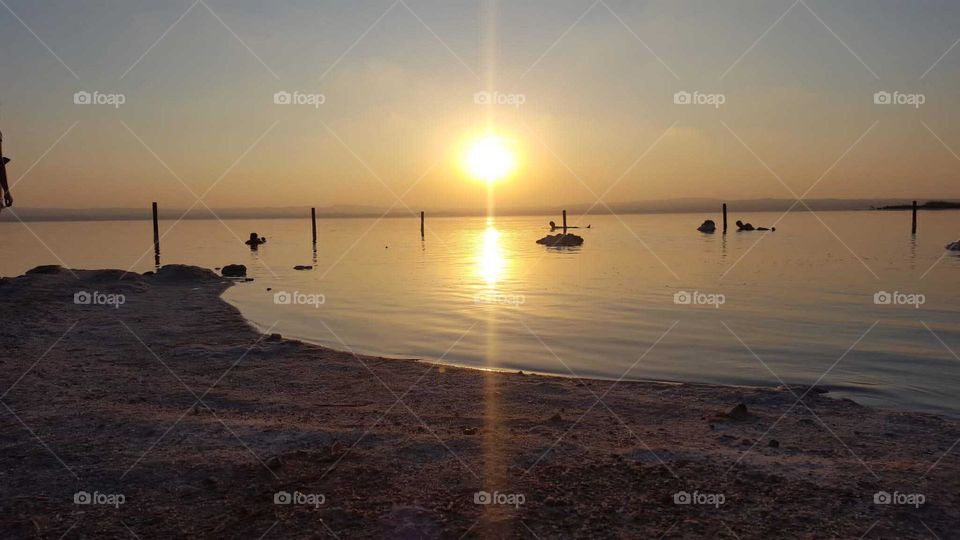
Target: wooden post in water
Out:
[156,236]
[564,222]
[724,218]
[156,230]
[421,225]
[914,228]
[313,223]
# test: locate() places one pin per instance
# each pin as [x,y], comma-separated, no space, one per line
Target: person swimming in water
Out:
[741,226]
[255,241]
[707,226]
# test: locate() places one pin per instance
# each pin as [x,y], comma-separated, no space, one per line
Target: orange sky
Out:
[586,93]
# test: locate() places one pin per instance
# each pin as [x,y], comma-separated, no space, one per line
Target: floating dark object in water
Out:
[954,246]
[707,226]
[255,240]
[302,267]
[561,240]
[234,270]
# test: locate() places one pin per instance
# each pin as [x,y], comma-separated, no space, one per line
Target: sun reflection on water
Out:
[491,262]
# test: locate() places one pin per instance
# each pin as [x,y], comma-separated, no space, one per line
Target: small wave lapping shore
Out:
[146,406]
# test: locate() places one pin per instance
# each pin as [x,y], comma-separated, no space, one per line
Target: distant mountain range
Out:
[930,205]
[663,206]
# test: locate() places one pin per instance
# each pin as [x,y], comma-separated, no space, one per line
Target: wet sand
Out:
[173,405]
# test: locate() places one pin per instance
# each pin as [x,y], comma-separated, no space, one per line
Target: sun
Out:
[489,158]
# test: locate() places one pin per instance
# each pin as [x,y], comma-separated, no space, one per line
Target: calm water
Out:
[487,295]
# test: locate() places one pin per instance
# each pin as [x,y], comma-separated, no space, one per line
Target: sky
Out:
[587,91]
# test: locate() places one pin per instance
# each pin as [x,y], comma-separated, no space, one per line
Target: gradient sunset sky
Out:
[597,81]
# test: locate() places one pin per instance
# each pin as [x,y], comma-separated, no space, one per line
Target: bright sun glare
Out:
[489,158]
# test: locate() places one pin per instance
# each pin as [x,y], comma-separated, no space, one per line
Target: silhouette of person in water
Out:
[7,198]
[741,226]
[255,241]
[707,226]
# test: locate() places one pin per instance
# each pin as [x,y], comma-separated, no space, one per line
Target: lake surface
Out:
[764,307]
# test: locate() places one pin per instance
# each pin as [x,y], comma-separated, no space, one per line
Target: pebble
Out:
[739,412]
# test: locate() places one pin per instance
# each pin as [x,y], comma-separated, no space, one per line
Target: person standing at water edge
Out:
[7,198]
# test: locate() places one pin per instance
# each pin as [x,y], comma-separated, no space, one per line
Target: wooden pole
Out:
[421,225]
[564,222]
[724,218]
[156,237]
[914,228]
[313,223]
[156,230]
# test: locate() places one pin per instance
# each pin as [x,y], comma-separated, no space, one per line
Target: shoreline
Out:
[174,400]
[832,391]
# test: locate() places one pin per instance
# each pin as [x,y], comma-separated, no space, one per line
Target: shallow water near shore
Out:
[645,297]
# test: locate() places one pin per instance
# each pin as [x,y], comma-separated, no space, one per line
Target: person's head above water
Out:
[739,223]
[254,237]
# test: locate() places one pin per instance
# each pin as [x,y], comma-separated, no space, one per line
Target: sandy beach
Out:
[165,414]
